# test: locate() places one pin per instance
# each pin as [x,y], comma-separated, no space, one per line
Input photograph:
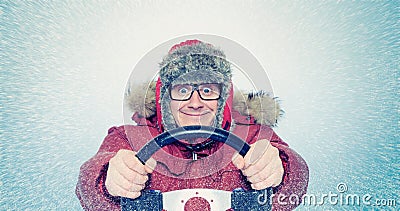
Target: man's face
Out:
[194,111]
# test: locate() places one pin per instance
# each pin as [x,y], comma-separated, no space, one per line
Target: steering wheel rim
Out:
[192,131]
[257,200]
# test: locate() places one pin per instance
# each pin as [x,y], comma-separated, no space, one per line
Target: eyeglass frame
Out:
[195,88]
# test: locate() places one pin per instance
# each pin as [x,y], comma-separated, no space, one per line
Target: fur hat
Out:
[193,62]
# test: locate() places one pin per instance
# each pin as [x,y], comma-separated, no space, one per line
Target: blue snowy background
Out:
[64,66]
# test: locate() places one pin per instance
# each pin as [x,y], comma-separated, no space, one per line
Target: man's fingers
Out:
[260,164]
[256,168]
[260,176]
[150,165]
[267,165]
[254,155]
[272,181]
[273,168]
[117,190]
[238,160]
[256,152]
[134,177]
[126,175]
[261,185]
[117,165]
[136,187]
[269,158]
[126,158]
[128,180]
[132,162]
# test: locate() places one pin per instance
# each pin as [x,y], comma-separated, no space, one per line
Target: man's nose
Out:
[195,101]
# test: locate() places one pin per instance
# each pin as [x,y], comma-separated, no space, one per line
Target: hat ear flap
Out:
[158,105]
[227,115]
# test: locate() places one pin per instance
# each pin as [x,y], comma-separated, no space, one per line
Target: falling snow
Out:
[64,66]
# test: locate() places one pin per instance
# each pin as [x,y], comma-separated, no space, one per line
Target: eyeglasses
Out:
[183,92]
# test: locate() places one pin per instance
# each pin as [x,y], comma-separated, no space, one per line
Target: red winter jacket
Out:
[93,195]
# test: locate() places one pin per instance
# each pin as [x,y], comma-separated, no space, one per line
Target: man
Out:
[194,88]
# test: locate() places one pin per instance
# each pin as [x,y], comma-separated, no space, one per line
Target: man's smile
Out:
[195,113]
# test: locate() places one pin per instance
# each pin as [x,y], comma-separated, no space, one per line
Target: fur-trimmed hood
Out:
[140,99]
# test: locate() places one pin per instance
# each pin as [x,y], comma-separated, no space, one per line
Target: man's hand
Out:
[126,175]
[262,165]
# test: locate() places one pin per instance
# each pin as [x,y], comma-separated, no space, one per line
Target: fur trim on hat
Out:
[264,108]
[142,99]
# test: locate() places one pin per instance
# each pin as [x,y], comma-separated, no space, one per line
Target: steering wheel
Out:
[238,199]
